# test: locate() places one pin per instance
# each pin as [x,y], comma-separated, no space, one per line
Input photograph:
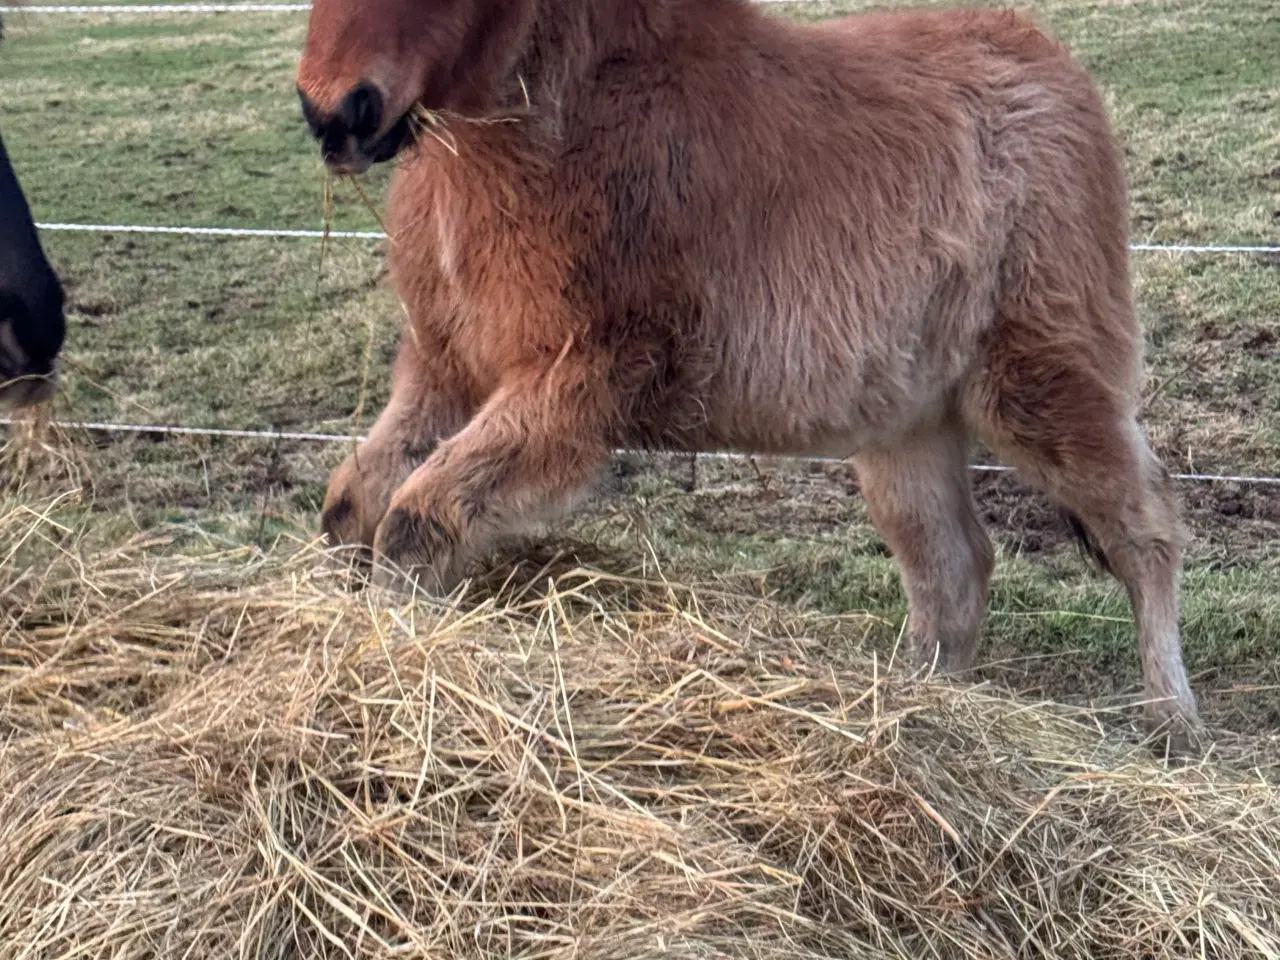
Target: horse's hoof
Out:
[337,520]
[1175,734]
[414,553]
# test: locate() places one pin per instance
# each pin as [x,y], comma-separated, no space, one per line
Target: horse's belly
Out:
[811,417]
[827,381]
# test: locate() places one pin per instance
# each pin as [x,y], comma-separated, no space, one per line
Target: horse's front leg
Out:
[539,440]
[429,401]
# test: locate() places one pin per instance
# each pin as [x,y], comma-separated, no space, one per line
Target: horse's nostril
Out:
[362,111]
[311,115]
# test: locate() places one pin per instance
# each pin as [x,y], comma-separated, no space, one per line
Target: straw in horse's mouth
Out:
[435,123]
[431,123]
[419,121]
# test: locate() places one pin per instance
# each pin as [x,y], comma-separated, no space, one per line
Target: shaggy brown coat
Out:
[690,225]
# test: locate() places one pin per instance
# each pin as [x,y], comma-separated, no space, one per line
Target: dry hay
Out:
[231,755]
[38,456]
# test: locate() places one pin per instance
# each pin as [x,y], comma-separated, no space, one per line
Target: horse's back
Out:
[882,165]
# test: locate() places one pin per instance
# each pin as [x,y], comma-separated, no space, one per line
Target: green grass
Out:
[193,120]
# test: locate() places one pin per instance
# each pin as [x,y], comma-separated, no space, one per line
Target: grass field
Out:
[193,120]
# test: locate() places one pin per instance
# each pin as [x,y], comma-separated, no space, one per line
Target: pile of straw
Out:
[231,755]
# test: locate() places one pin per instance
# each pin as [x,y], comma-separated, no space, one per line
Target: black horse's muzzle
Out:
[30,340]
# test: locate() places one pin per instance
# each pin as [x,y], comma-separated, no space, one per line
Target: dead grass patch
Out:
[232,754]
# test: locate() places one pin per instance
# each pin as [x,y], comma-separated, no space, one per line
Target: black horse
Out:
[32,325]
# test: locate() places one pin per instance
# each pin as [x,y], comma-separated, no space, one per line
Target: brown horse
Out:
[31,320]
[685,224]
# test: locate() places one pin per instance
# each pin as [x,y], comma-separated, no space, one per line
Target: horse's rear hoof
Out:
[1177,736]
[952,658]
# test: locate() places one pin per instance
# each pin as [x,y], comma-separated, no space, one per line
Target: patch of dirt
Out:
[95,306]
[1262,342]
[1258,341]
[1241,520]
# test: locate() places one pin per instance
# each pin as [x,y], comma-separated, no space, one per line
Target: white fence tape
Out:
[375,235]
[172,430]
[211,231]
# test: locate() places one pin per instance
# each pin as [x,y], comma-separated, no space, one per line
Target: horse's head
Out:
[31,321]
[368,63]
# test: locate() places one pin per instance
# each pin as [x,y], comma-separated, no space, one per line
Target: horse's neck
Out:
[570,39]
[565,42]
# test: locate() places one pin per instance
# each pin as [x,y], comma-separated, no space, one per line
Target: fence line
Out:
[215,231]
[376,235]
[1201,248]
[278,435]
[168,429]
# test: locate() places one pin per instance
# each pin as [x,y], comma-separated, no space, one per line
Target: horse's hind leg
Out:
[920,498]
[1064,416]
